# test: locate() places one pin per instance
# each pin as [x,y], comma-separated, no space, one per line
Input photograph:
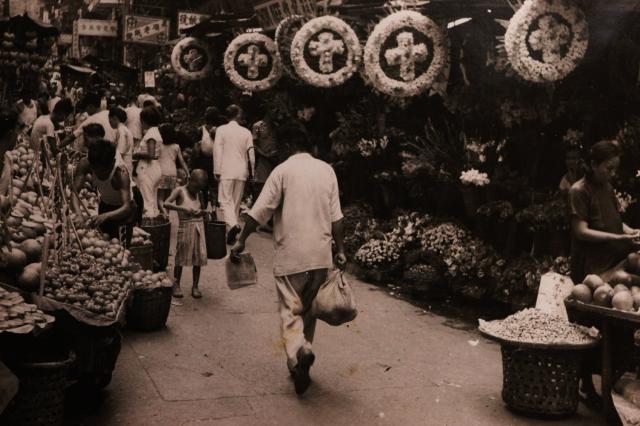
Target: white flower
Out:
[264,49]
[474,177]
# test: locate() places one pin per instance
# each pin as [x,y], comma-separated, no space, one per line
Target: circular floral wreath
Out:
[546,39]
[191,59]
[252,62]
[285,32]
[324,38]
[392,44]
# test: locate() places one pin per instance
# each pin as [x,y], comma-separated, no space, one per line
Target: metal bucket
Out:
[216,236]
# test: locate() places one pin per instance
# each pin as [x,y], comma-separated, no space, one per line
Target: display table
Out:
[617,329]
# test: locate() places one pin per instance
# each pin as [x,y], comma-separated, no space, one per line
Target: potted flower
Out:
[378,259]
[548,222]
[473,182]
[495,223]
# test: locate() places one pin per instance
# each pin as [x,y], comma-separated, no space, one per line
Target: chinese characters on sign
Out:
[189,19]
[145,29]
[97,28]
[75,41]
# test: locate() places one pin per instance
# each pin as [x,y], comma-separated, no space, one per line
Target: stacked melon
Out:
[622,292]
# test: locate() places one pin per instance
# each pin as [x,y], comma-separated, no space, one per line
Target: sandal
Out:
[177,292]
[195,293]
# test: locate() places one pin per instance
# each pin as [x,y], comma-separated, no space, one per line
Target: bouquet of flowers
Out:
[369,147]
[407,230]
[378,255]
[473,177]
[465,256]
[501,210]
[624,201]
[550,215]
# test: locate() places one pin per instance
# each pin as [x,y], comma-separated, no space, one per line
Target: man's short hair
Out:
[294,134]
[91,99]
[63,107]
[212,116]
[93,130]
[101,154]
[118,113]
[233,111]
[148,104]
[151,116]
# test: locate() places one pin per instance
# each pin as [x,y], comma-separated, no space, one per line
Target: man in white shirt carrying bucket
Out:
[307,218]
[233,163]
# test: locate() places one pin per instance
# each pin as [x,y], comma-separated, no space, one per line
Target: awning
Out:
[80,69]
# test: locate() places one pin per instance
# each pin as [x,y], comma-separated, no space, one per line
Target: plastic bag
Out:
[335,302]
[241,271]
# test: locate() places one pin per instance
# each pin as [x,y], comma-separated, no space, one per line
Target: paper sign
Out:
[149,79]
[554,289]
[97,28]
[190,19]
[145,29]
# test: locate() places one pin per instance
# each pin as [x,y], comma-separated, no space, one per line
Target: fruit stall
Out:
[58,271]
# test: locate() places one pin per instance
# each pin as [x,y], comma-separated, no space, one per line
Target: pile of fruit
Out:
[148,280]
[622,292]
[107,252]
[24,56]
[140,237]
[90,199]
[84,281]
[15,313]
[535,326]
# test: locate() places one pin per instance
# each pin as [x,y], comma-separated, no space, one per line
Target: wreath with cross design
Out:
[405,54]
[326,52]
[191,59]
[546,39]
[285,32]
[252,63]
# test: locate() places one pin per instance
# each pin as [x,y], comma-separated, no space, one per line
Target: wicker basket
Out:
[160,233]
[149,308]
[541,382]
[143,255]
[40,399]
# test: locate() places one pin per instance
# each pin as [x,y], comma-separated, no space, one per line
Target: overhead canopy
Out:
[79,69]
[24,23]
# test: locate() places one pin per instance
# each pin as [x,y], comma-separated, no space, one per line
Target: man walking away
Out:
[306,218]
[233,159]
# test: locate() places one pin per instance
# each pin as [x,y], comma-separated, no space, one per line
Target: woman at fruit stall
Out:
[149,171]
[600,239]
[170,154]
[119,203]
[8,135]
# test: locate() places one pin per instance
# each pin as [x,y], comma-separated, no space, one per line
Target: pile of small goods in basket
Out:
[17,316]
[534,326]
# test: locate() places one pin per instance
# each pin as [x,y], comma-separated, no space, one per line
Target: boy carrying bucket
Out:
[191,247]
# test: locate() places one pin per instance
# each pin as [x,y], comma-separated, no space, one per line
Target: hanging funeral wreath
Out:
[546,39]
[285,32]
[405,54]
[326,52]
[191,59]
[252,62]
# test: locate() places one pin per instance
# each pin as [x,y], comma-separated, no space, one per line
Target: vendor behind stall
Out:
[118,209]
[8,135]
[600,238]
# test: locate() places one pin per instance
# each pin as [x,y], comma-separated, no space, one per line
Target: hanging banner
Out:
[149,79]
[190,19]
[97,28]
[271,12]
[145,29]
[75,41]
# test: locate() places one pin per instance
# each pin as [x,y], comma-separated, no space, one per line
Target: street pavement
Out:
[220,362]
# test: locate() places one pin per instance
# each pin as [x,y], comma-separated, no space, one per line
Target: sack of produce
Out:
[335,303]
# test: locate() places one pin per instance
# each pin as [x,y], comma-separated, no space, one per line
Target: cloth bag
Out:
[241,271]
[335,302]
[206,145]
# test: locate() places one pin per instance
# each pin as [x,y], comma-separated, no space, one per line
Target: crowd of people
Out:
[128,151]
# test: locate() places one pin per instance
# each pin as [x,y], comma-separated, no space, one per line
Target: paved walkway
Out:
[220,362]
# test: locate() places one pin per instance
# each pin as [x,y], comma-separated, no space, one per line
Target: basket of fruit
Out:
[142,248]
[159,230]
[151,302]
[541,361]
[40,398]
